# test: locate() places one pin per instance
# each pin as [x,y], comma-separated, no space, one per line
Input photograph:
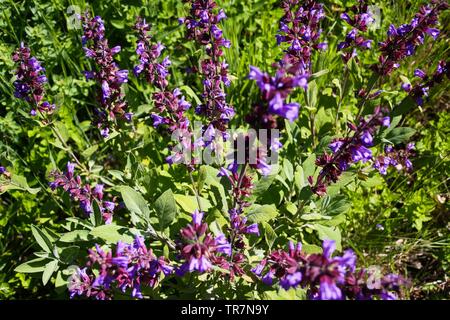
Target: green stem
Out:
[195,191]
[341,96]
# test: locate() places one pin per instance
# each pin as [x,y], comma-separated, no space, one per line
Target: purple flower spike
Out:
[403,41]
[107,74]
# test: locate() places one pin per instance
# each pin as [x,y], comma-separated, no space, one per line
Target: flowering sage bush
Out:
[192,169]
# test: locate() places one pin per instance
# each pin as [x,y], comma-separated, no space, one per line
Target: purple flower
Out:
[433,32]
[252,229]
[197,217]
[157,120]
[329,291]
[367,138]
[361,153]
[329,246]
[419,73]
[223,245]
[291,280]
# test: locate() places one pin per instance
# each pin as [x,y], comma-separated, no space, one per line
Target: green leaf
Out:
[50,268]
[299,178]
[60,281]
[166,208]
[269,234]
[262,185]
[311,94]
[338,204]
[405,106]
[288,169]
[119,24]
[110,234]
[18,183]
[311,248]
[89,151]
[202,175]
[258,213]
[329,233]
[32,266]
[117,174]
[400,134]
[76,235]
[68,254]
[96,218]
[318,74]
[309,166]
[189,203]
[135,202]
[43,241]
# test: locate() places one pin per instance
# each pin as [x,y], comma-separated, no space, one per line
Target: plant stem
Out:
[195,191]
[60,138]
[341,97]
[66,146]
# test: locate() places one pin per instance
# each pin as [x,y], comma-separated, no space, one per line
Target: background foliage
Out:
[397,221]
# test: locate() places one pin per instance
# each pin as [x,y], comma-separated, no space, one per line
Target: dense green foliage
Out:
[399,221]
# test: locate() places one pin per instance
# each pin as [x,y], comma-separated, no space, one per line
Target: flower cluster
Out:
[299,27]
[30,82]
[420,90]
[395,158]
[107,74]
[275,90]
[327,277]
[239,227]
[171,105]
[199,249]
[403,41]
[348,150]
[131,267]
[360,21]
[85,194]
[155,72]
[202,26]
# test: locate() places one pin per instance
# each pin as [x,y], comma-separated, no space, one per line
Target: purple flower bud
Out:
[344,16]
[70,169]
[406,86]
[115,50]
[367,138]
[197,217]
[329,246]
[217,33]
[105,89]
